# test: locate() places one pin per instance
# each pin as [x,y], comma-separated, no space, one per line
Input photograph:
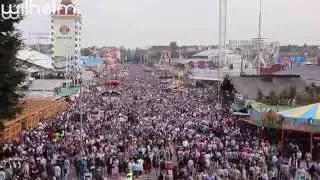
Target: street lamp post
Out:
[81,112]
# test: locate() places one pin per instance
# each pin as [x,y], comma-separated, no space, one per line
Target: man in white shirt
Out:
[57,171]
[191,166]
[2,174]
[140,163]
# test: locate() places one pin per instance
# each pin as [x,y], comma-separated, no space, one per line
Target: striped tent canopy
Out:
[303,114]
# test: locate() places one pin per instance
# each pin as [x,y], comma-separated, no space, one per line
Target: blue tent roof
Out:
[304,113]
[91,61]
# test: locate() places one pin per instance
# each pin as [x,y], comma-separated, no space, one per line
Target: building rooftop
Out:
[299,50]
[248,86]
[310,73]
[35,57]
[210,53]
[45,85]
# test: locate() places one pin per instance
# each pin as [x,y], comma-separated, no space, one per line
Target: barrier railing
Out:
[30,118]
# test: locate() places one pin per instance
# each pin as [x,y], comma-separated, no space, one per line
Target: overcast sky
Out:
[157,22]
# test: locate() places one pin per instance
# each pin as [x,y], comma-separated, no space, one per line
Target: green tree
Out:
[123,53]
[11,75]
[129,55]
[273,99]
[86,52]
[283,96]
[292,92]
[260,95]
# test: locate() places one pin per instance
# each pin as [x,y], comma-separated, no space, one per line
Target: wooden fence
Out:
[32,114]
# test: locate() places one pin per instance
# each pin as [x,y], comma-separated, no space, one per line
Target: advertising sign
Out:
[287,60]
[64,37]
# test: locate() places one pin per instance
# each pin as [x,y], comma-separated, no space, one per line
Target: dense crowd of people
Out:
[144,129]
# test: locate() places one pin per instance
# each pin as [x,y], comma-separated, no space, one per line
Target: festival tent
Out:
[304,118]
[309,114]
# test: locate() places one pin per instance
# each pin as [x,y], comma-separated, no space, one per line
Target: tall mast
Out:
[260,20]
[260,39]
[222,40]
[225,33]
[220,32]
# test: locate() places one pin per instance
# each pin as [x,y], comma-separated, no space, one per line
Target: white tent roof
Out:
[205,74]
[35,57]
[210,53]
[186,61]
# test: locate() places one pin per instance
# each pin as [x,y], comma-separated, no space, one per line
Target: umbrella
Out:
[303,114]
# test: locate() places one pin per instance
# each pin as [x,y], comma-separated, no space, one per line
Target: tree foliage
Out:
[174,49]
[309,96]
[292,92]
[260,95]
[11,75]
[290,96]
[86,52]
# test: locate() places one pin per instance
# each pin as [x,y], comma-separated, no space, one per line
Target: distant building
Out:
[293,50]
[34,61]
[155,52]
[66,28]
[110,55]
[299,54]
[42,48]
